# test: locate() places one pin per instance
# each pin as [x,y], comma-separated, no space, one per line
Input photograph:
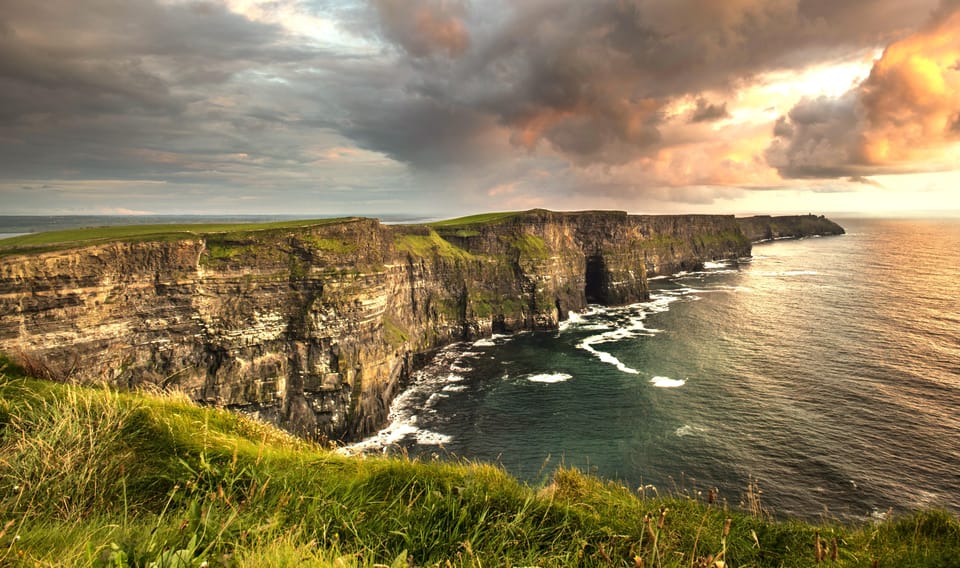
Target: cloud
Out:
[591,82]
[864,180]
[260,102]
[901,118]
[424,27]
[707,112]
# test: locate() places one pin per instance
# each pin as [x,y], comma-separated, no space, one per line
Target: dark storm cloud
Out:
[707,112]
[590,80]
[134,87]
[818,138]
[864,180]
[424,27]
[194,92]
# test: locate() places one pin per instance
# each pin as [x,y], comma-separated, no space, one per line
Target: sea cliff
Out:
[767,228]
[315,328]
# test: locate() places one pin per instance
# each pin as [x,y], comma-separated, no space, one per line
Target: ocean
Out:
[826,371]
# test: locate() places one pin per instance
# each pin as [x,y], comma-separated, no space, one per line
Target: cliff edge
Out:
[767,228]
[316,327]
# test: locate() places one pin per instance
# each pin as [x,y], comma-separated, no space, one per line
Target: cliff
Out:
[767,228]
[315,328]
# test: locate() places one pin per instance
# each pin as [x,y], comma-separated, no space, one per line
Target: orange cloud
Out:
[904,117]
[911,99]
[441,30]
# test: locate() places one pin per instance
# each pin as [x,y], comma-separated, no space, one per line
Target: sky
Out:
[447,107]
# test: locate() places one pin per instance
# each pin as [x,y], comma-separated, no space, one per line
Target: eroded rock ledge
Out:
[316,328]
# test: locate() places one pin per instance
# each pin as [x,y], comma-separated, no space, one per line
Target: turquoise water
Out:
[828,369]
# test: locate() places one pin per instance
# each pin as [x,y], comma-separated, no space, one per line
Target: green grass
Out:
[336,246]
[482,218]
[57,240]
[530,246]
[394,333]
[429,245]
[94,477]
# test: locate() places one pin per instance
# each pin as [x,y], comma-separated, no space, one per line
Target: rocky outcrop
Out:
[316,328]
[767,228]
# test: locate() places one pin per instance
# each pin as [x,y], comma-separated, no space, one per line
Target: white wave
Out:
[660,303]
[716,289]
[718,264]
[634,326]
[434,398]
[667,382]
[454,388]
[688,430]
[784,273]
[394,433]
[428,438]
[495,339]
[574,317]
[585,319]
[722,288]
[424,390]
[605,357]
[549,378]
[573,320]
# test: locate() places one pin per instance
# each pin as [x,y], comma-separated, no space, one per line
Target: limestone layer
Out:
[316,328]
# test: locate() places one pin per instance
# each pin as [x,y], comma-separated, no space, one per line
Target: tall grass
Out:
[94,477]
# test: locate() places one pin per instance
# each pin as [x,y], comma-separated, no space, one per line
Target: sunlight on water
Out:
[825,368]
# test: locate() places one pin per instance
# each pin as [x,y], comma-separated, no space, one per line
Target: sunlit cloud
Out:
[903,117]
[451,105]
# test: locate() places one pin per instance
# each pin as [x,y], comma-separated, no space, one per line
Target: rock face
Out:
[767,228]
[315,329]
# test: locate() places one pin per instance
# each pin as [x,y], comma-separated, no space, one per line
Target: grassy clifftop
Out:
[70,238]
[91,476]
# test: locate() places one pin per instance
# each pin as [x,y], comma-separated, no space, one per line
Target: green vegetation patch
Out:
[431,244]
[336,246]
[224,252]
[529,246]
[58,240]
[95,477]
[482,218]
[393,333]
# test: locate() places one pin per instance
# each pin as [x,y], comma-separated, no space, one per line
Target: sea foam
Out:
[549,378]
[667,382]
[421,396]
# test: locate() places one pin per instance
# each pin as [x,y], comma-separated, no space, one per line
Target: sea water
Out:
[827,370]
